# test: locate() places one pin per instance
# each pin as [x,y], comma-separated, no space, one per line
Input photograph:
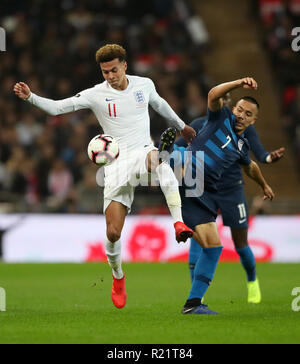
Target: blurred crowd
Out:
[51,46]
[279,18]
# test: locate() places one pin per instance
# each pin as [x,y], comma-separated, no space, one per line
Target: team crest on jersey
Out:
[240,144]
[139,97]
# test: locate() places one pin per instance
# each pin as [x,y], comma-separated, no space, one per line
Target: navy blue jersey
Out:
[233,175]
[221,146]
[197,125]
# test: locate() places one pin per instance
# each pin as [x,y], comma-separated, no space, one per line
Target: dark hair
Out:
[250,99]
[110,52]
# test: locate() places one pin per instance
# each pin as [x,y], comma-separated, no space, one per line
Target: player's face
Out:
[114,73]
[245,113]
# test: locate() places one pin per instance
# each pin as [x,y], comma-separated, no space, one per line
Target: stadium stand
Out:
[51,46]
[241,50]
[278,19]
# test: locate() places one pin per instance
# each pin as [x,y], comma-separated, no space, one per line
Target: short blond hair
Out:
[109,52]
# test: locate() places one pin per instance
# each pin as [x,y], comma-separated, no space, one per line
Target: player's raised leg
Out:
[170,188]
[115,215]
[208,237]
[240,239]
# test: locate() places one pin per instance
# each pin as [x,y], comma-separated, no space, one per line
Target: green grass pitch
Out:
[70,303]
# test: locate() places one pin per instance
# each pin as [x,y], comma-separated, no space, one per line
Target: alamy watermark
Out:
[188,168]
[296,301]
[2,40]
[296,41]
[2,299]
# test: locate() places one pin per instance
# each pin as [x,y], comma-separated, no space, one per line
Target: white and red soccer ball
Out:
[103,149]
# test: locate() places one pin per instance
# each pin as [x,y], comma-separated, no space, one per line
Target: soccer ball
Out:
[103,150]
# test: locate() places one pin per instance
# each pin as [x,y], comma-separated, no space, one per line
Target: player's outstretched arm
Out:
[258,149]
[51,107]
[215,95]
[253,171]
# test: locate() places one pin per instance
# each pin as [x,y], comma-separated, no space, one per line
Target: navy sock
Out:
[204,271]
[248,262]
[194,254]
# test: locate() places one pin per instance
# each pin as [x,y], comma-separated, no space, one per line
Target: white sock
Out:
[113,254]
[169,185]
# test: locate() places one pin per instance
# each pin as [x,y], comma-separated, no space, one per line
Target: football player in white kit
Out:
[120,104]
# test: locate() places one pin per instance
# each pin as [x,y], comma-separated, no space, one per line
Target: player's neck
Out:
[240,132]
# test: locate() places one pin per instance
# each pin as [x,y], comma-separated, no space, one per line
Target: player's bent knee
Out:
[207,235]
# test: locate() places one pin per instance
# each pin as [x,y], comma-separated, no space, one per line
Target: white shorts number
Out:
[242,210]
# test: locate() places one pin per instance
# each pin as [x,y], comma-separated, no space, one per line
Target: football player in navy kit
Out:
[223,142]
[231,200]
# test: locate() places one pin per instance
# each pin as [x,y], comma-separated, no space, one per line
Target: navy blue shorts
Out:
[198,210]
[233,206]
[201,210]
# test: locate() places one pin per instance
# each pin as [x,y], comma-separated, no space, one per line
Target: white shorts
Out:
[123,175]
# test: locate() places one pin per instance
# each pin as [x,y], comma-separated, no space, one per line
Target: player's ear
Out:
[125,65]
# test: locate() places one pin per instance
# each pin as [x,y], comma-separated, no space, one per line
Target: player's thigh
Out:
[115,215]
[197,211]
[207,235]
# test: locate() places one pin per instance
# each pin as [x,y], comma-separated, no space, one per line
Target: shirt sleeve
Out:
[53,107]
[163,108]
[222,113]
[255,144]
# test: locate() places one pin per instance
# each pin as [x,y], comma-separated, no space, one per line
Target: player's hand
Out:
[249,83]
[275,155]
[188,133]
[268,193]
[22,90]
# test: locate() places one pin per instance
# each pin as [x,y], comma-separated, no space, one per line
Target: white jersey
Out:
[122,114]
